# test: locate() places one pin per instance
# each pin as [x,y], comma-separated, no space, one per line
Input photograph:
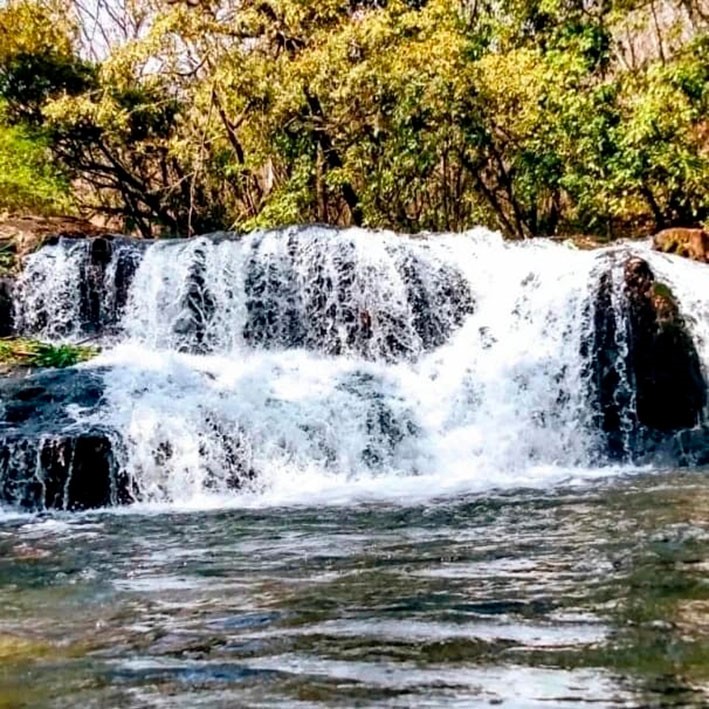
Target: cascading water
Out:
[283,364]
[75,288]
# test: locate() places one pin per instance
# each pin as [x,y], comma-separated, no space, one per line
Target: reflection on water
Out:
[529,598]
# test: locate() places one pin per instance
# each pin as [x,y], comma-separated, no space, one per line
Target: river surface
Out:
[592,593]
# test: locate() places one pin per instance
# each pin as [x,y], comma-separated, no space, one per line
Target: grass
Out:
[23,352]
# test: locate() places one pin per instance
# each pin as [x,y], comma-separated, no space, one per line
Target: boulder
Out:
[690,243]
[21,235]
[670,389]
[48,458]
[646,381]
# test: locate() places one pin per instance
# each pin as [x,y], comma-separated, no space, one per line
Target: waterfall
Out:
[285,362]
[75,287]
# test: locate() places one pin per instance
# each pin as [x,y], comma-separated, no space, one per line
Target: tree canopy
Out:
[532,116]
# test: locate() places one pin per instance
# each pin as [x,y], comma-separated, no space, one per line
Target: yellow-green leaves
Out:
[406,114]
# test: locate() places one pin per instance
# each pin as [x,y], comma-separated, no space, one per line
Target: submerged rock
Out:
[48,460]
[645,374]
[390,426]
[686,448]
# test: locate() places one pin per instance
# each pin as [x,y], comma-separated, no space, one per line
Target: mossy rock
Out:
[670,387]
[652,386]
[665,305]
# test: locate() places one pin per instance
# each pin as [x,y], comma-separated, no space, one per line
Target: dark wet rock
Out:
[6,316]
[306,297]
[72,470]
[198,306]
[316,302]
[686,448]
[39,401]
[670,388]
[104,290]
[437,308]
[610,397]
[47,459]
[106,264]
[645,377]
[234,456]
[98,256]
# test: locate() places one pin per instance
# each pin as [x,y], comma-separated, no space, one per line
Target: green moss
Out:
[662,291]
[20,351]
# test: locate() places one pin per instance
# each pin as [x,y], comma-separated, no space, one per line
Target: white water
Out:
[326,375]
[47,301]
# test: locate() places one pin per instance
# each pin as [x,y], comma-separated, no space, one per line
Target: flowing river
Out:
[366,472]
[586,595]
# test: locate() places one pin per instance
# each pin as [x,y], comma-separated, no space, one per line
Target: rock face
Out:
[6,318]
[47,460]
[99,312]
[314,299]
[690,243]
[646,379]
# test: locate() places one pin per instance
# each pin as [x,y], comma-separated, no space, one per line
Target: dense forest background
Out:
[530,116]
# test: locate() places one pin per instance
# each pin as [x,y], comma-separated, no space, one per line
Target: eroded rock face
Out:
[609,396]
[317,302]
[646,378]
[47,459]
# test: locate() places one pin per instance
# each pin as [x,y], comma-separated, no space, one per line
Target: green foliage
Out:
[29,181]
[32,353]
[407,115]
[663,141]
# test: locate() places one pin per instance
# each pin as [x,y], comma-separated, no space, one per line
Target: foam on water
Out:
[313,365]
